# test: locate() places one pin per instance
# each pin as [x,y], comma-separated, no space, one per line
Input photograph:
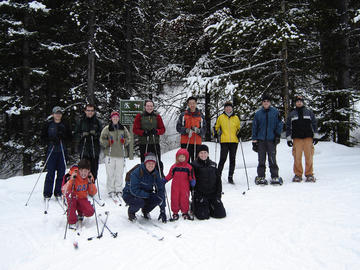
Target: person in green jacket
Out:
[114,138]
[228,125]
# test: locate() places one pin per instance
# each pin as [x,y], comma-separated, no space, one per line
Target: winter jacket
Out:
[115,134]
[142,183]
[189,120]
[148,121]
[229,126]
[208,179]
[267,124]
[54,133]
[80,186]
[181,172]
[87,134]
[301,123]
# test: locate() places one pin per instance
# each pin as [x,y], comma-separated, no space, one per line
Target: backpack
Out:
[128,174]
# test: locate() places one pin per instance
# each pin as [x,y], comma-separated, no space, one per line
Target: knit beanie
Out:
[202,147]
[114,113]
[150,157]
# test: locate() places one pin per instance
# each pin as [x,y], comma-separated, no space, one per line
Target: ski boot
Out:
[276,181]
[297,179]
[146,215]
[260,180]
[132,216]
[310,178]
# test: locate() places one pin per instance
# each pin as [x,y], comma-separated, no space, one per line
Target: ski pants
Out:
[267,148]
[81,206]
[94,165]
[226,148]
[180,196]
[114,171]
[154,148]
[192,149]
[299,146]
[147,205]
[204,207]
[55,163]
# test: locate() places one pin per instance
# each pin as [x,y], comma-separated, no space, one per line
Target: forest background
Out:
[68,53]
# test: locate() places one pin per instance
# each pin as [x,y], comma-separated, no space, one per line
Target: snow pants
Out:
[228,148]
[267,148]
[180,196]
[81,206]
[55,163]
[154,148]
[114,171]
[299,146]
[147,205]
[204,207]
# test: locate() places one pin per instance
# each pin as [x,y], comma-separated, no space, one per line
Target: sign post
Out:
[128,110]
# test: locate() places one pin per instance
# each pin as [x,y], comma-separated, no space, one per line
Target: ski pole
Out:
[106,226]
[71,197]
[83,149]
[102,230]
[111,139]
[40,174]
[247,178]
[160,172]
[63,154]
[97,180]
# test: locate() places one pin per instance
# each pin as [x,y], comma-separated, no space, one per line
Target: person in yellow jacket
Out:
[228,125]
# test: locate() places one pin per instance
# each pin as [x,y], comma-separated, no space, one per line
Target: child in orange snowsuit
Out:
[76,190]
[183,176]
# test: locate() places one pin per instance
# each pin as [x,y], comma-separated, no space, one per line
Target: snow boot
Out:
[276,181]
[260,180]
[146,215]
[132,216]
[230,180]
[310,178]
[175,217]
[297,179]
[186,216]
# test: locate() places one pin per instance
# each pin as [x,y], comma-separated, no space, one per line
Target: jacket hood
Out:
[182,151]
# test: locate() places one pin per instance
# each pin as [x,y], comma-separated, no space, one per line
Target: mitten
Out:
[122,140]
[196,130]
[255,146]
[92,132]
[192,182]
[290,143]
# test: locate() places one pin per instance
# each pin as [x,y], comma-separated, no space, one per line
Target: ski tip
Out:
[76,245]
[179,235]
[243,193]
[45,212]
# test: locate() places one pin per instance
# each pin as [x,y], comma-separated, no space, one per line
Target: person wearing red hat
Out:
[114,138]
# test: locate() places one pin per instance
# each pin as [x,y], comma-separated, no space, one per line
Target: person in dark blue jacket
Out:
[266,131]
[145,190]
[56,134]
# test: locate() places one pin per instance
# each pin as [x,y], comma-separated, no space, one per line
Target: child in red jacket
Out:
[183,176]
[76,191]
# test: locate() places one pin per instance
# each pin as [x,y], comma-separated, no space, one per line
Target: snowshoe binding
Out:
[174,217]
[310,178]
[260,180]
[186,216]
[297,179]
[276,181]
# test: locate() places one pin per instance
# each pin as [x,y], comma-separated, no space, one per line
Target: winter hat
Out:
[299,98]
[57,109]
[228,103]
[84,164]
[149,157]
[203,147]
[183,151]
[265,97]
[114,113]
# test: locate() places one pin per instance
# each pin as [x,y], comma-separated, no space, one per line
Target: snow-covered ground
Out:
[294,226]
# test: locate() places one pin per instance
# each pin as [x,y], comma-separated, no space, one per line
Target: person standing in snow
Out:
[76,190]
[56,134]
[87,134]
[208,188]
[114,138]
[302,135]
[145,190]
[228,126]
[149,126]
[183,177]
[266,131]
[191,125]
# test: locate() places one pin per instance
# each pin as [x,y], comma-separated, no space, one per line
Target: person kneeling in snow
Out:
[76,190]
[208,188]
[145,190]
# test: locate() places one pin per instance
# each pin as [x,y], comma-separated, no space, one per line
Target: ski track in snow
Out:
[293,226]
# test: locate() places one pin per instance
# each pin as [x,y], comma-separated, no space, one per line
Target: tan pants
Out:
[300,146]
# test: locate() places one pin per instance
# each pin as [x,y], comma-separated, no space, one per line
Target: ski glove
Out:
[92,132]
[153,131]
[85,134]
[192,182]
[146,132]
[196,130]
[111,141]
[163,180]
[315,141]
[122,140]
[162,216]
[188,130]
[255,146]
[290,143]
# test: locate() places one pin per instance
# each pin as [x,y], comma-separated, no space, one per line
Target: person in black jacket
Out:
[87,137]
[208,188]
[56,134]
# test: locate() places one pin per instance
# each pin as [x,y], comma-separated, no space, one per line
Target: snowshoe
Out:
[186,216]
[276,181]
[174,217]
[260,180]
[297,179]
[310,178]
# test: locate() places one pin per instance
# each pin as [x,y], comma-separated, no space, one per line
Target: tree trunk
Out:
[91,56]
[284,67]
[207,114]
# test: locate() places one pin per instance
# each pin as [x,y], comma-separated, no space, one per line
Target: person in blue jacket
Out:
[145,190]
[266,131]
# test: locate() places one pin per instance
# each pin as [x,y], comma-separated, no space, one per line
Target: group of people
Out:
[193,171]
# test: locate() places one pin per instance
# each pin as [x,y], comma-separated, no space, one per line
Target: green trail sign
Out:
[129,109]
